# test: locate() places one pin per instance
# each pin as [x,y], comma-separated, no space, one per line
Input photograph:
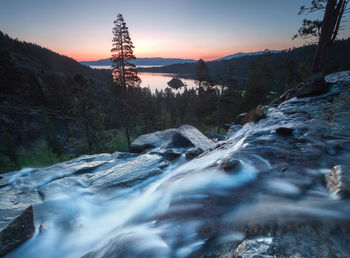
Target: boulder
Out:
[185,136]
[285,96]
[259,247]
[338,181]
[168,154]
[284,131]
[16,226]
[214,136]
[339,77]
[43,228]
[229,164]
[241,119]
[193,153]
[123,155]
[313,86]
[227,126]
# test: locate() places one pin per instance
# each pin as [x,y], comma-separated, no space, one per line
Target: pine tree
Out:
[88,114]
[259,81]
[53,142]
[123,70]
[202,74]
[225,80]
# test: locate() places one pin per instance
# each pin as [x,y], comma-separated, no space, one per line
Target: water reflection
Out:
[157,80]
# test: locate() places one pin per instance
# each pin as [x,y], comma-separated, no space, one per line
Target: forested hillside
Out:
[54,108]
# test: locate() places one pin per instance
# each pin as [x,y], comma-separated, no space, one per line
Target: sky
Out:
[208,29]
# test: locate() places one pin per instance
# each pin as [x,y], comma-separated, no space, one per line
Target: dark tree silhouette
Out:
[87,112]
[225,80]
[260,81]
[123,70]
[202,74]
[326,30]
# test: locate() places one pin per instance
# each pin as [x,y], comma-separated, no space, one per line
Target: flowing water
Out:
[79,221]
[175,213]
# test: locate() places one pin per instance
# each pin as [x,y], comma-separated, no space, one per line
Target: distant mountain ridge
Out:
[338,56]
[240,54]
[170,61]
[143,61]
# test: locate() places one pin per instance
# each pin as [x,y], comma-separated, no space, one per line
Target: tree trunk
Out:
[125,93]
[220,110]
[329,30]
[88,138]
[125,116]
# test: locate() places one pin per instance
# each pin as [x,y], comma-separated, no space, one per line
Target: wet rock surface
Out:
[129,173]
[314,86]
[241,119]
[184,137]
[41,187]
[232,130]
[214,136]
[193,153]
[229,164]
[258,193]
[16,226]
[260,247]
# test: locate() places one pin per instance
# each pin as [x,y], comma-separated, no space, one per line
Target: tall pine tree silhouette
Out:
[123,70]
[325,31]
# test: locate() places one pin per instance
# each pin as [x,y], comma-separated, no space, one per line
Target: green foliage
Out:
[38,155]
[211,129]
[6,164]
[10,76]
[257,114]
[202,73]
[8,147]
[58,93]
[88,114]
[120,143]
[260,81]
[123,69]
[53,142]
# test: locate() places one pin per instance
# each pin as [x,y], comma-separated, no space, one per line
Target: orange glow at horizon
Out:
[150,44]
[207,56]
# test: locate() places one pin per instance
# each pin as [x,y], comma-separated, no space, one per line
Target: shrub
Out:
[53,141]
[6,164]
[120,143]
[257,114]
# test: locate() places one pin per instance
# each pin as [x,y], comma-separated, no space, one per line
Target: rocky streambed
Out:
[275,188]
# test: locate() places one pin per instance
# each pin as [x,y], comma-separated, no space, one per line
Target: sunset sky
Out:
[82,29]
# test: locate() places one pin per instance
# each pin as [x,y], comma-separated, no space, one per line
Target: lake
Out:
[156,80]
